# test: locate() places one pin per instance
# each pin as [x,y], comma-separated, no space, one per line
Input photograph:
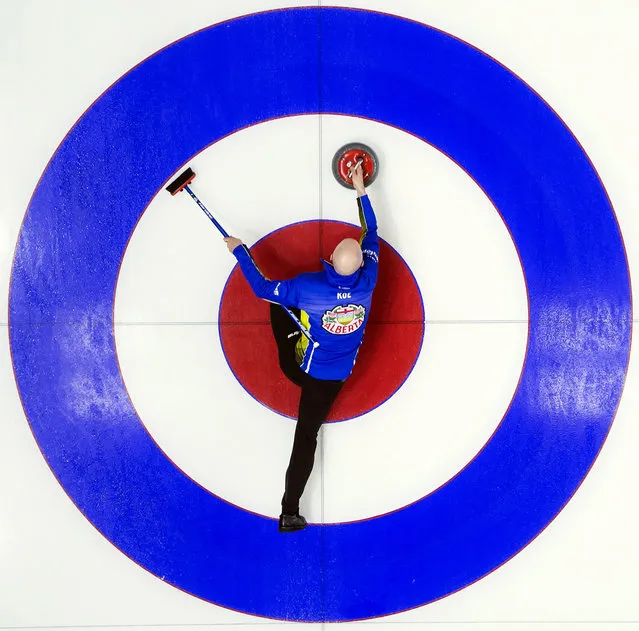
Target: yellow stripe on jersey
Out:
[302,343]
[362,220]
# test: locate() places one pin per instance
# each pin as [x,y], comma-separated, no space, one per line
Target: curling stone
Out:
[347,156]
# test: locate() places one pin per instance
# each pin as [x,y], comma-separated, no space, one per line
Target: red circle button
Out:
[392,340]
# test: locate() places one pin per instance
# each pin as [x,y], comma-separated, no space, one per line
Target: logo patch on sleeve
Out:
[371,254]
[344,320]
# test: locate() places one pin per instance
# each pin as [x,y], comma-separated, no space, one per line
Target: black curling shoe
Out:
[290,523]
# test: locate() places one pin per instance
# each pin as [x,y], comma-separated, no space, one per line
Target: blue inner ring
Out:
[182,99]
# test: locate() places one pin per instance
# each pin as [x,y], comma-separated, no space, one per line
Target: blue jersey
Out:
[334,308]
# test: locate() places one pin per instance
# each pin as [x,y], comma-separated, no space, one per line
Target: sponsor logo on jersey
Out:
[343,296]
[371,254]
[343,320]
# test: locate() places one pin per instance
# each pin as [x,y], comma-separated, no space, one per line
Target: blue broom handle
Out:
[301,327]
[208,214]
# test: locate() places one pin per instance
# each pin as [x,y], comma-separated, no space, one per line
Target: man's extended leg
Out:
[315,403]
[286,334]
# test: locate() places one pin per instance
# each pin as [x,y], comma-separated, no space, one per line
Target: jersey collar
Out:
[337,280]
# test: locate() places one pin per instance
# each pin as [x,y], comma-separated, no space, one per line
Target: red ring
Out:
[392,341]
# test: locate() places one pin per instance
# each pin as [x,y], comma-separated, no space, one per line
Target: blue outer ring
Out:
[170,107]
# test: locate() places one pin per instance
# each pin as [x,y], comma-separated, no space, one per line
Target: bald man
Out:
[332,306]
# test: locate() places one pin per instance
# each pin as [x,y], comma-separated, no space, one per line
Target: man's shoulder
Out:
[312,278]
[314,285]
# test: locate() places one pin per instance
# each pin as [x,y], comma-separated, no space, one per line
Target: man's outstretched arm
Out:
[283,292]
[369,240]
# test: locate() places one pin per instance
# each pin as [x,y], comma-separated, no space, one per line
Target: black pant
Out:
[316,400]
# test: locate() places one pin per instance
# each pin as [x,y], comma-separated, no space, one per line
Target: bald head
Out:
[347,257]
